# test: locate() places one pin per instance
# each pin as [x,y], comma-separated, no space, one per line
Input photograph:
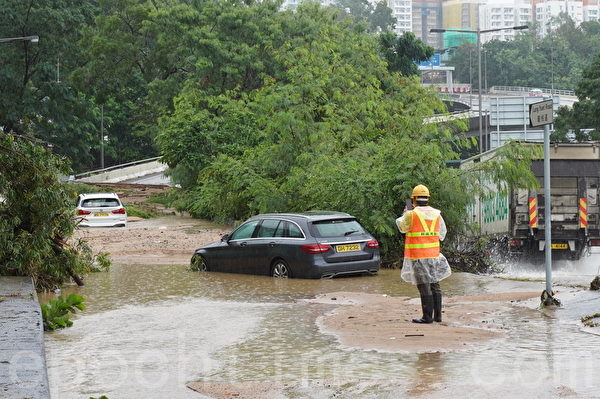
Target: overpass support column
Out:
[449,81]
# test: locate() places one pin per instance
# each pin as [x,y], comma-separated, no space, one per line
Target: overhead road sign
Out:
[541,113]
[435,60]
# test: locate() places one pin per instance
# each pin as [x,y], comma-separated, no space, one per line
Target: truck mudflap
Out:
[561,249]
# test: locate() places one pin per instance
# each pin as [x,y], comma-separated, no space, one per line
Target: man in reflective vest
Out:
[423,264]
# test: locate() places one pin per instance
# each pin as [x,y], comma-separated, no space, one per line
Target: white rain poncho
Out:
[424,271]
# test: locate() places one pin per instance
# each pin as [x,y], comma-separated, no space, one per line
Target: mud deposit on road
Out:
[383,323]
[167,240]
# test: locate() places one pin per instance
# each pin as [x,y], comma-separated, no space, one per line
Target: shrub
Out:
[56,312]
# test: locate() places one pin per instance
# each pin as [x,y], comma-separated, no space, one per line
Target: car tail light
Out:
[595,243]
[372,244]
[82,212]
[515,243]
[120,211]
[315,248]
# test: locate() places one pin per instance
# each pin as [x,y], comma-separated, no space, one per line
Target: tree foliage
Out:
[328,127]
[584,118]
[36,215]
[401,52]
[37,98]
[555,60]
[375,16]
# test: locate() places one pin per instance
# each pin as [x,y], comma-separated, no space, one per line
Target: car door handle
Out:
[243,244]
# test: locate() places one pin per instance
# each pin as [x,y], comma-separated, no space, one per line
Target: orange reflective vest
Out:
[423,239]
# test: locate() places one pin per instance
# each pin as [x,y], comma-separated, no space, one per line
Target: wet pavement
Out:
[22,357]
[150,329]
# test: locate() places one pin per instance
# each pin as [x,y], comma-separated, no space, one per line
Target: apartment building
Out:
[402,11]
[497,14]
[546,10]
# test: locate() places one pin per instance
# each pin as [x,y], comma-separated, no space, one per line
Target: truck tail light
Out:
[595,243]
[515,243]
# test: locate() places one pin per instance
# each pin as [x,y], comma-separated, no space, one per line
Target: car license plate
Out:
[100,214]
[560,246]
[347,248]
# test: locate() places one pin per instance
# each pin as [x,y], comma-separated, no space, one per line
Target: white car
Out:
[101,209]
[536,93]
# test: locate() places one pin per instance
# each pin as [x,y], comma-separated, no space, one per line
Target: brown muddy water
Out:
[150,329]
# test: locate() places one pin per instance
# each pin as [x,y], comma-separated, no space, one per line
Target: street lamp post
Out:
[33,39]
[478,32]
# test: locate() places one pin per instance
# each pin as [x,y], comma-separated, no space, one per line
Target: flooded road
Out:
[150,329]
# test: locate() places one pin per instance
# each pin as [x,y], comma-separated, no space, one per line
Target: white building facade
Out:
[545,11]
[497,14]
[402,11]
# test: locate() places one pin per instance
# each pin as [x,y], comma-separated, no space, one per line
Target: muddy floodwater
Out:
[150,329]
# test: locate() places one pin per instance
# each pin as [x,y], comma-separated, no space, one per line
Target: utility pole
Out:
[102,137]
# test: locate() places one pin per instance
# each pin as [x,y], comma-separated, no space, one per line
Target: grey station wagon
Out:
[315,244]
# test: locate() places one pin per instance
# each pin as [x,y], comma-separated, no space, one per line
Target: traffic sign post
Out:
[542,113]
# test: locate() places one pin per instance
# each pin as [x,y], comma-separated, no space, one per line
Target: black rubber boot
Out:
[427,306]
[437,307]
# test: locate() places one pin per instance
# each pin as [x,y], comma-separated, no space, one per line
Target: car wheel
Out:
[280,269]
[198,263]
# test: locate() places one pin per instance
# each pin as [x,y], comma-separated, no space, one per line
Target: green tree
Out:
[376,16]
[333,129]
[401,52]
[37,98]
[36,215]
[584,118]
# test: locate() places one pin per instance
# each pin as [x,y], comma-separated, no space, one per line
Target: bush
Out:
[56,312]
[36,215]
[137,211]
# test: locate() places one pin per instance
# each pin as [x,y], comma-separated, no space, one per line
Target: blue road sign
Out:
[435,60]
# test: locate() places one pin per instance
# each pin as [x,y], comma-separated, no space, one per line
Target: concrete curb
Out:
[23,372]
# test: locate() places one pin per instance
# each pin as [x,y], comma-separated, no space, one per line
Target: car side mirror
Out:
[225,237]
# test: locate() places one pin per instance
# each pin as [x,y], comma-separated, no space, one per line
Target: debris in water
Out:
[595,284]
[548,299]
[587,320]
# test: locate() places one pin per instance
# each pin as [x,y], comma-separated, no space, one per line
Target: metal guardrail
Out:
[524,90]
[115,167]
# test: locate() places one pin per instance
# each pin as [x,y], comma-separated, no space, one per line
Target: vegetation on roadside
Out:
[37,215]
[85,188]
[140,211]
[56,312]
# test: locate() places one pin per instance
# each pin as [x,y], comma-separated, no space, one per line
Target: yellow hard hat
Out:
[420,191]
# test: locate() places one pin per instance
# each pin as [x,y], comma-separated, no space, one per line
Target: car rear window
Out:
[288,230]
[337,228]
[267,228]
[100,202]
